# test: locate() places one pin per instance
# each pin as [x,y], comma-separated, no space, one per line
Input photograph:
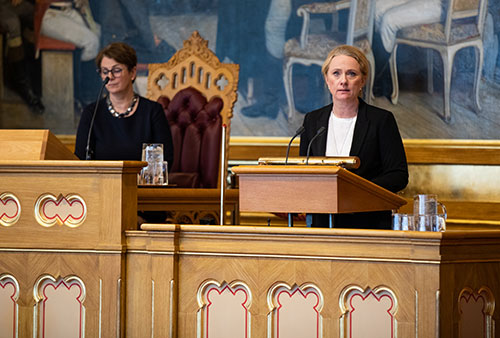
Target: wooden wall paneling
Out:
[151,284]
[92,251]
[102,190]
[99,272]
[426,271]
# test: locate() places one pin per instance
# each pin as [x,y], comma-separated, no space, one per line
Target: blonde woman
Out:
[355,128]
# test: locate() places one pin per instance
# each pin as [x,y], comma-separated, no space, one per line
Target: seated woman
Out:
[355,128]
[123,119]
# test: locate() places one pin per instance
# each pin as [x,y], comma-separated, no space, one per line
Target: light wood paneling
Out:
[92,251]
[426,271]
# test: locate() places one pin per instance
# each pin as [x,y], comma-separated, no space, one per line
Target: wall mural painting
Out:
[440,77]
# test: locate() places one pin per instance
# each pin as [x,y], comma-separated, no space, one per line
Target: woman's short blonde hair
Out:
[351,51]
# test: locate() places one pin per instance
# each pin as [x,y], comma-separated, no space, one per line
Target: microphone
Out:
[319,132]
[297,133]
[88,153]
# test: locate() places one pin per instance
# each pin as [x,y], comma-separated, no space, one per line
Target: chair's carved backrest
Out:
[360,25]
[195,67]
[460,11]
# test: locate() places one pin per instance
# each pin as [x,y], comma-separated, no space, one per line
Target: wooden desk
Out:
[62,247]
[190,205]
[415,284]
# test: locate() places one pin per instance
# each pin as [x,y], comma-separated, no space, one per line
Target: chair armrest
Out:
[317,8]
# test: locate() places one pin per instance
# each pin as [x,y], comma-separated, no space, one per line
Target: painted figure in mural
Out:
[391,16]
[128,21]
[72,21]
[124,120]
[355,128]
[16,18]
[253,34]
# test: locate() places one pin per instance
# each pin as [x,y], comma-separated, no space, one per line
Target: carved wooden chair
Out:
[462,27]
[312,48]
[198,93]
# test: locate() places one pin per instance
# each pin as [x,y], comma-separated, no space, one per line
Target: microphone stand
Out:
[319,132]
[88,153]
[297,133]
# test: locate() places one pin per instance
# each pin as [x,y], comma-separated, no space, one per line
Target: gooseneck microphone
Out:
[88,153]
[297,133]
[319,132]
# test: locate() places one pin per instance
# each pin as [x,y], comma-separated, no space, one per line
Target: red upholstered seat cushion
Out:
[196,133]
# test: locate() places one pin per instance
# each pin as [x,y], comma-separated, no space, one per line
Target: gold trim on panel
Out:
[9,278]
[152,308]
[5,219]
[118,308]
[68,219]
[304,288]
[202,302]
[38,297]
[416,313]
[488,310]
[336,258]
[344,295]
[149,252]
[171,308]
[438,295]
[108,252]
[100,306]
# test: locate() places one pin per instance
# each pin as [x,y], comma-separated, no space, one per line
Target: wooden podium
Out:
[62,244]
[32,144]
[310,189]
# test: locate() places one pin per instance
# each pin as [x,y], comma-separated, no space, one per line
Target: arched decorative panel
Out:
[224,310]
[59,309]
[9,313]
[476,310]
[295,311]
[368,313]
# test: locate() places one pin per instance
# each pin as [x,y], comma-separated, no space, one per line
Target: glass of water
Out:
[154,172]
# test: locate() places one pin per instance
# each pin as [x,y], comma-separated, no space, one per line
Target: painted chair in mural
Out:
[197,93]
[312,48]
[462,27]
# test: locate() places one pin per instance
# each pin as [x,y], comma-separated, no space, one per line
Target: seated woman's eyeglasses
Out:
[116,71]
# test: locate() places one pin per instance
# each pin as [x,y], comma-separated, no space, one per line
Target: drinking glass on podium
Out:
[403,222]
[156,172]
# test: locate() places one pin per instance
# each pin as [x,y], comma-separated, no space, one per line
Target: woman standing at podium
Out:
[355,128]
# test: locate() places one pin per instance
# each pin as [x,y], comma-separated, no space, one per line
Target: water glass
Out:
[402,222]
[156,172]
[435,222]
